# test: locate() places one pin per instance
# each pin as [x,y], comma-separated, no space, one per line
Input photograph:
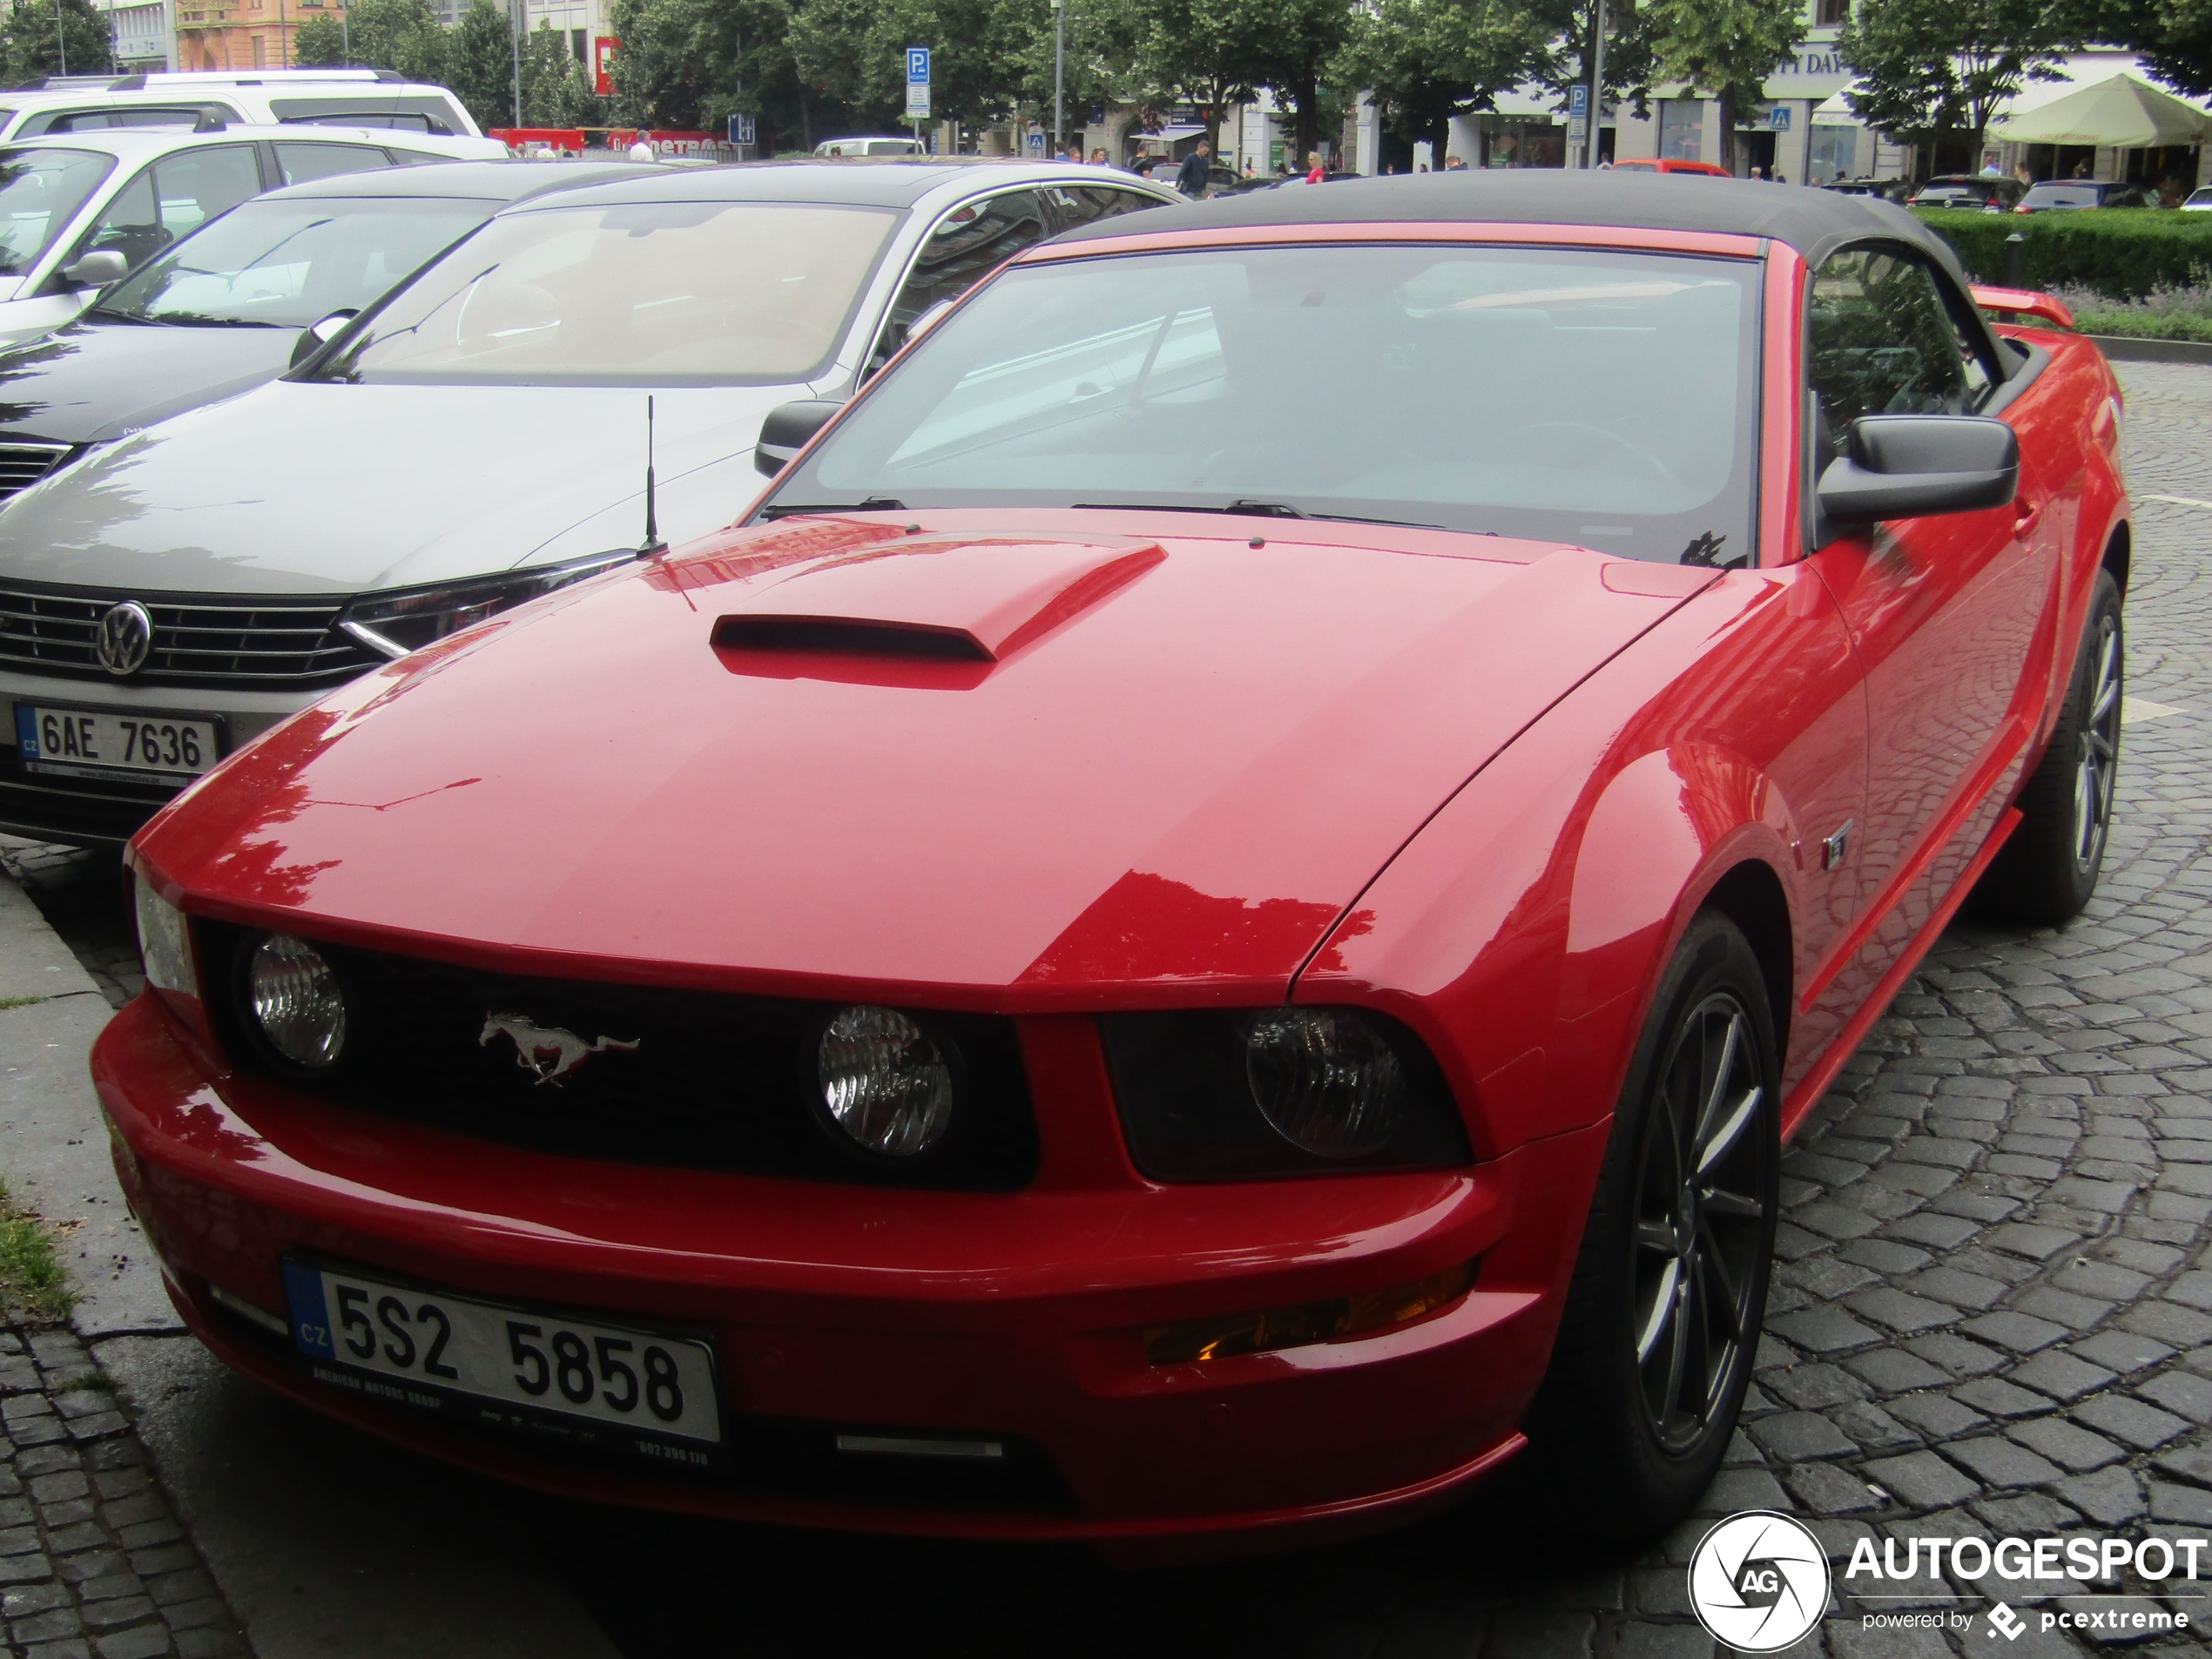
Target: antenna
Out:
[653,546]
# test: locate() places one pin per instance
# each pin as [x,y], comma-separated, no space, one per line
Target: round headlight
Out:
[885,1083]
[1325,1080]
[296,1002]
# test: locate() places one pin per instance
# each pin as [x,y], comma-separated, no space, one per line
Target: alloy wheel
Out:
[1699,1221]
[2097,750]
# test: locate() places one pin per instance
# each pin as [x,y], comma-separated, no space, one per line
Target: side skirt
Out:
[1816,1081]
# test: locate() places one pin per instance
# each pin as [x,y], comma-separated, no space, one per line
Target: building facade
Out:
[145,33]
[239,34]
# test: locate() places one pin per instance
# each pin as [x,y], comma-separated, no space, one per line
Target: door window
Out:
[300,162]
[1882,343]
[1085,204]
[173,197]
[967,244]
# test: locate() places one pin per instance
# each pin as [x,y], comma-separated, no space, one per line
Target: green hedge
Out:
[2122,251]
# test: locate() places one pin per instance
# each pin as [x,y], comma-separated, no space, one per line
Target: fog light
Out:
[886,1085]
[1325,1080]
[1306,1321]
[296,1002]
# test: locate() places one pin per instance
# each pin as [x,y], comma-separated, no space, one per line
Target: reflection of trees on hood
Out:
[29,360]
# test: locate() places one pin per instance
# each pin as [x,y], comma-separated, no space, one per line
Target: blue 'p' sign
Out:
[917,65]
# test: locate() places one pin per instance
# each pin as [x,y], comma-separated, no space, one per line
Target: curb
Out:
[2129,348]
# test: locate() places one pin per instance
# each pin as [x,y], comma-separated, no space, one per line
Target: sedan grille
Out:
[275,643]
[24,464]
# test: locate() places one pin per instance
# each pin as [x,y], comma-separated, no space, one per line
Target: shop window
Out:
[1826,14]
[1681,129]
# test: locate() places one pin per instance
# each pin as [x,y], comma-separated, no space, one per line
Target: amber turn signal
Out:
[1306,1321]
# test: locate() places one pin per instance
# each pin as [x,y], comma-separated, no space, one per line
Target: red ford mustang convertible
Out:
[1212,917]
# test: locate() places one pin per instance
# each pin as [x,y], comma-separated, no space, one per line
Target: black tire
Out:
[2047,872]
[1622,1459]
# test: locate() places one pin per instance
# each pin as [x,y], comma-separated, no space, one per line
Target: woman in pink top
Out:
[1315,171]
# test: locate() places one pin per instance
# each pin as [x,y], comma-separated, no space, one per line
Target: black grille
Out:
[74,809]
[715,1082]
[213,641]
[24,464]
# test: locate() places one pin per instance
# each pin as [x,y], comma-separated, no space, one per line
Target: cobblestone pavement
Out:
[1992,1313]
[91,1560]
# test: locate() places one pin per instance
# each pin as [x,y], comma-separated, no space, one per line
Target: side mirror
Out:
[318,333]
[96,270]
[788,429]
[1915,466]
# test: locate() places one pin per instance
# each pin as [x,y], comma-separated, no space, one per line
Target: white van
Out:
[871,147]
[350,98]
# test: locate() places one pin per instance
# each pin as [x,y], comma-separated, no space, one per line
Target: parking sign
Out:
[740,128]
[1578,102]
[917,65]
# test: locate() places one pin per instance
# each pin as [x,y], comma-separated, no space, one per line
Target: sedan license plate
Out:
[99,743]
[610,1387]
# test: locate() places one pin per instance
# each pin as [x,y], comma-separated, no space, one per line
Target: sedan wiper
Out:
[872,504]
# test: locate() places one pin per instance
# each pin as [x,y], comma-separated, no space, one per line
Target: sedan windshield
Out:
[40,193]
[1597,398]
[645,294]
[286,264]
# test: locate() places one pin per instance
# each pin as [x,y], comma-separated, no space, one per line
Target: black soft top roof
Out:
[1815,222]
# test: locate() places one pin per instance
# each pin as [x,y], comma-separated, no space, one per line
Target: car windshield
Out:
[286,264]
[2062,196]
[40,191]
[659,293]
[1597,398]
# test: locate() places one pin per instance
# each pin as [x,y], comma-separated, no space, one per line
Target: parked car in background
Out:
[1221,180]
[1969,191]
[2199,200]
[357,98]
[2070,195]
[1886,189]
[1669,164]
[1092,973]
[867,146]
[77,214]
[239,301]
[476,438]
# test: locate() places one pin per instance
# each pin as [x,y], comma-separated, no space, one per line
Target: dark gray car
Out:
[229,306]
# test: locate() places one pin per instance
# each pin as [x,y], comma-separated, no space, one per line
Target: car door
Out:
[1944,610]
[172,198]
[297,161]
[967,242]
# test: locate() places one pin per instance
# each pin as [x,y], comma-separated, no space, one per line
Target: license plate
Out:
[612,1387]
[99,743]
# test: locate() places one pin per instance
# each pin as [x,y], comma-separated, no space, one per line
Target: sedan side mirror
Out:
[1914,466]
[318,333]
[96,270]
[789,429]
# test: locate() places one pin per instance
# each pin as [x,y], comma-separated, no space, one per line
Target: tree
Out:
[1305,36]
[1628,52]
[1425,61]
[40,34]
[1728,46]
[2174,36]
[480,63]
[1930,70]
[401,35]
[1210,53]
[555,92]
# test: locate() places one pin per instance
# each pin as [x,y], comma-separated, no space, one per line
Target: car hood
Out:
[1005,764]
[95,381]
[308,487]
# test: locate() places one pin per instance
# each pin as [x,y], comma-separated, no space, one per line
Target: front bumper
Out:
[1015,1315]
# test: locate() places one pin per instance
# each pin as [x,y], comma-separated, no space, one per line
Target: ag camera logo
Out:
[1759,1582]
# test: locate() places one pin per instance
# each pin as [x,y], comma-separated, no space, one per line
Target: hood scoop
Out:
[949,601]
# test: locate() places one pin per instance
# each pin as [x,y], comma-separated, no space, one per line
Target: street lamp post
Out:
[346,30]
[515,39]
[1059,59]
[61,46]
[1598,82]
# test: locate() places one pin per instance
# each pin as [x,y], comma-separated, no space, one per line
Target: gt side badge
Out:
[1833,847]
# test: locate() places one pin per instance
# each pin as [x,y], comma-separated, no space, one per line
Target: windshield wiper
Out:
[1247,509]
[193,320]
[117,316]
[872,504]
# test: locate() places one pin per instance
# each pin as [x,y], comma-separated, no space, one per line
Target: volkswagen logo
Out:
[125,639]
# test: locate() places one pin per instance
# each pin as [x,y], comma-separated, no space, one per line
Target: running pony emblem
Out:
[547,1052]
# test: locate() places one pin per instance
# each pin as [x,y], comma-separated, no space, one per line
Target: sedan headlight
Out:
[1229,1095]
[407,619]
[165,941]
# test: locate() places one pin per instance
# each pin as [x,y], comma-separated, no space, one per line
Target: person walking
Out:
[1315,172]
[1196,172]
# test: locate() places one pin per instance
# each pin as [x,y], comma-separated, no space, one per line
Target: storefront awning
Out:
[2123,111]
